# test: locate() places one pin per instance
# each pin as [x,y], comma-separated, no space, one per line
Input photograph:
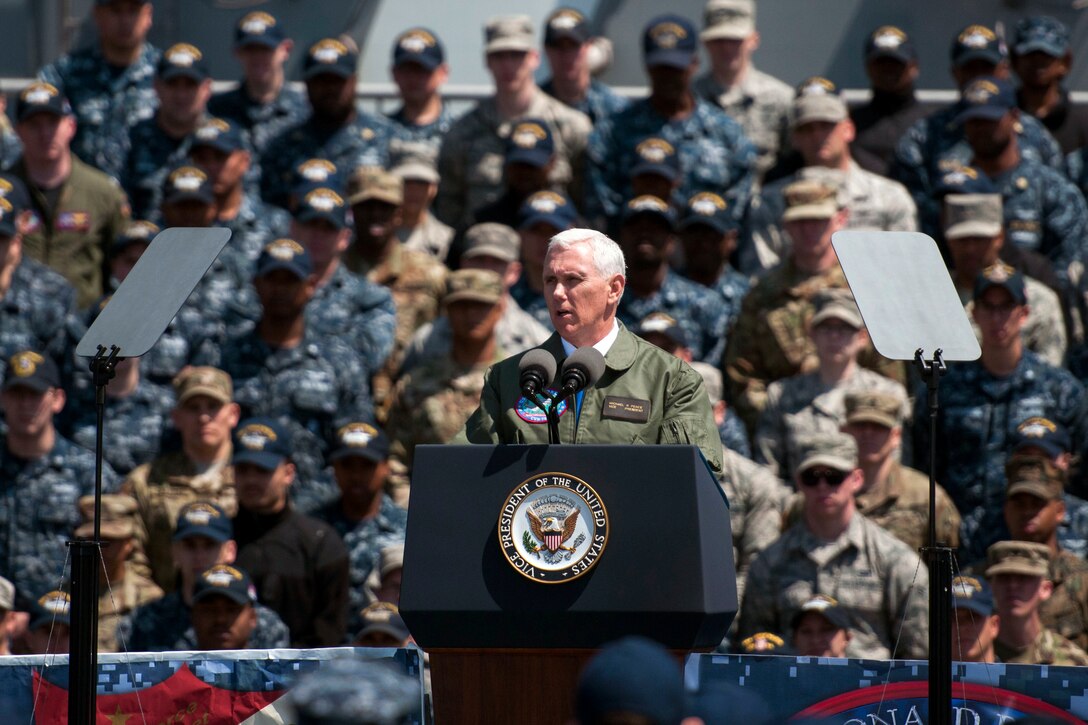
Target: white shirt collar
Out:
[602,346]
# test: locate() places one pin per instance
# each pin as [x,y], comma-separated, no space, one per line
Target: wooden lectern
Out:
[520,561]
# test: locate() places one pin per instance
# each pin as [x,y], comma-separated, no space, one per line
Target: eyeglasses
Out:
[813,476]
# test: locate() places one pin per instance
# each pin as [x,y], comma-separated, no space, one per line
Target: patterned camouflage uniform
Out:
[470,161]
[106,103]
[531,301]
[35,313]
[151,153]
[1044,330]
[255,225]
[133,427]
[1066,612]
[431,133]
[600,101]
[876,578]
[164,625]
[431,236]
[263,121]
[1049,648]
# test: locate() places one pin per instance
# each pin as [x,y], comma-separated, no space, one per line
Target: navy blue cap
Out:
[1041,33]
[14,190]
[977,42]
[182,60]
[709,209]
[987,98]
[647,204]
[203,518]
[669,40]
[223,580]
[258,28]
[383,618]
[135,232]
[964,180]
[419,45]
[322,203]
[220,134]
[313,174]
[360,439]
[284,254]
[825,606]
[41,97]
[1045,434]
[187,183]
[972,593]
[332,56]
[264,442]
[530,142]
[656,156]
[663,324]
[566,23]
[1003,276]
[54,606]
[9,215]
[633,675]
[30,369]
[547,207]
[888,41]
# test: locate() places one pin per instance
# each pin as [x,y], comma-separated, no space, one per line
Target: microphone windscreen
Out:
[541,359]
[588,359]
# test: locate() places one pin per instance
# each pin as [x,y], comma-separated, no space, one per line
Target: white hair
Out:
[607,255]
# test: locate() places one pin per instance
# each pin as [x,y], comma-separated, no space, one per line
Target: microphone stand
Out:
[553,421]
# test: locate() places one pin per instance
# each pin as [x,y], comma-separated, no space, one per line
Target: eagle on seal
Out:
[551,531]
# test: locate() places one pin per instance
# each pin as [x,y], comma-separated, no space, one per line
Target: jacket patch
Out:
[528,411]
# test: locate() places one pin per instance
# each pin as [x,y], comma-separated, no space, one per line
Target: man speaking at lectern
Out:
[643,395]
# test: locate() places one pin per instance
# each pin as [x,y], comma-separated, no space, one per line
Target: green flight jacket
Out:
[651,396]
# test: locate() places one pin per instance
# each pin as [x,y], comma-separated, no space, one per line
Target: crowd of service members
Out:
[259,457]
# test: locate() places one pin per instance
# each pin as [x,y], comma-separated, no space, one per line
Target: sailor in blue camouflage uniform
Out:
[336,129]
[419,71]
[567,43]
[282,369]
[1044,212]
[936,144]
[263,104]
[983,403]
[715,155]
[364,515]
[183,85]
[708,232]
[647,238]
[42,476]
[109,83]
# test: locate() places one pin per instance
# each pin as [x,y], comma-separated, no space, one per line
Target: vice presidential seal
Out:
[553,528]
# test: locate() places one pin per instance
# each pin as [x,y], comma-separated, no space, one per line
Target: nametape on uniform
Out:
[629,409]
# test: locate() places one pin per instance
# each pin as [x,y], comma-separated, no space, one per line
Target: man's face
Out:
[705,247]
[1032,518]
[971,255]
[418,195]
[512,70]
[49,639]
[46,137]
[417,84]
[188,213]
[965,73]
[390,587]
[123,24]
[999,317]
[875,441]
[580,301]
[891,75]
[524,179]
[972,634]
[28,412]
[568,59]
[375,221]
[225,169]
[205,422]
[534,242]
[812,237]
[670,84]
[261,490]
[283,293]
[182,99]
[123,262]
[823,143]
[646,241]
[261,64]
[1018,595]
[473,321]
[508,271]
[816,636]
[194,555]
[1040,70]
[827,492]
[220,623]
[322,239]
[731,55]
[331,96]
[837,343]
[652,185]
[360,479]
[988,139]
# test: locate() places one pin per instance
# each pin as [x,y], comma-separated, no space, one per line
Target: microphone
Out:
[536,372]
[581,370]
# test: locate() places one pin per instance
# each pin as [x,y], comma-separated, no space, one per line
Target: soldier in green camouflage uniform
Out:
[837,552]
[1019,572]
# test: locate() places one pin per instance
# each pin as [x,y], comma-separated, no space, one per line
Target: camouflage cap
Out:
[1044,434]
[836,303]
[203,380]
[818,99]
[118,520]
[728,19]
[414,161]
[1018,557]
[865,406]
[808,199]
[833,449]
[7,595]
[1034,475]
[712,380]
[492,239]
[374,182]
[1007,278]
[509,32]
[474,285]
[972,215]
[827,607]
[1041,33]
